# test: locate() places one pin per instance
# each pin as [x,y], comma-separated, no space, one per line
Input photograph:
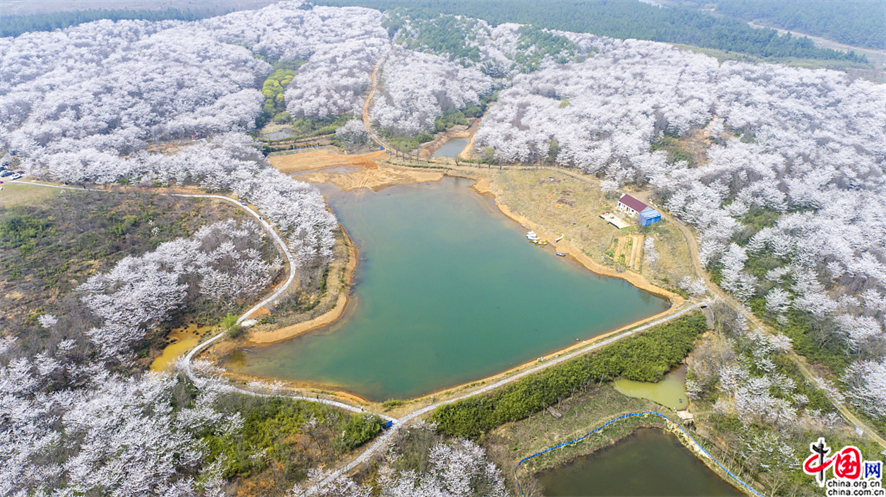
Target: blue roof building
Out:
[648,216]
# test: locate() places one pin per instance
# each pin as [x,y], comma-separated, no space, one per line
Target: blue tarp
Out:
[648,216]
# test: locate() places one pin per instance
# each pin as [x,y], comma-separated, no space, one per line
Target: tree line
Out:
[623,19]
[646,357]
[16,25]
[860,23]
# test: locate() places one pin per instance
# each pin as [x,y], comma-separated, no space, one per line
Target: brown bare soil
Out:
[367,173]
[322,159]
[374,178]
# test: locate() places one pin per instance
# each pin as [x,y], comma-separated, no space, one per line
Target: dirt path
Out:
[373,79]
[823,42]
[801,363]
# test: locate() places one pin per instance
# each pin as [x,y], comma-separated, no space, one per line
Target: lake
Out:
[447,291]
[451,148]
[649,462]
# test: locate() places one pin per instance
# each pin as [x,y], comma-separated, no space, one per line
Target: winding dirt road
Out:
[801,363]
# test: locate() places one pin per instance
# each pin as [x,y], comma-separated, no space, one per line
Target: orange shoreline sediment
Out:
[265,338]
[482,187]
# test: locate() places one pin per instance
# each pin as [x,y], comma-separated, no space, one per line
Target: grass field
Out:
[16,193]
[570,207]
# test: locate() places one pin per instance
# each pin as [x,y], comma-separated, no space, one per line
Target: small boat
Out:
[532,236]
[558,239]
[561,254]
[541,242]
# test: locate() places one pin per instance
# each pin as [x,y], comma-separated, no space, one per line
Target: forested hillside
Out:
[861,23]
[785,198]
[620,19]
[16,25]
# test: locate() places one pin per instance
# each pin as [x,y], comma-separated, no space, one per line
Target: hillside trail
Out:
[798,360]
[373,79]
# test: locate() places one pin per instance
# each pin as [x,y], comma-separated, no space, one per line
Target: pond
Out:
[447,291]
[451,148]
[669,392]
[648,462]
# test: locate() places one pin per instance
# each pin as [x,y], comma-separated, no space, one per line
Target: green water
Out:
[448,290]
[670,391]
[451,148]
[648,462]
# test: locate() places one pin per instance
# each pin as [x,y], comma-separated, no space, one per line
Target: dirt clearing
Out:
[321,159]
[350,172]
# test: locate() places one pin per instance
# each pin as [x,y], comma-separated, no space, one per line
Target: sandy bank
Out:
[484,187]
[267,337]
[321,159]
[372,178]
[362,170]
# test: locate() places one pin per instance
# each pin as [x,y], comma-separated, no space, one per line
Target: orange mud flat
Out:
[321,159]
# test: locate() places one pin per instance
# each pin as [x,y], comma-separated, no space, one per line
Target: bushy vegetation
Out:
[674,147]
[545,44]
[282,438]
[437,34]
[622,19]
[274,107]
[51,248]
[405,143]
[646,357]
[460,117]
[308,127]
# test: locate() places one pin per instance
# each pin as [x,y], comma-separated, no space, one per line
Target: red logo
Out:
[846,464]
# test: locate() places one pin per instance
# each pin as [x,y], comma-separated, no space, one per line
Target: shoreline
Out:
[669,426]
[280,334]
[481,187]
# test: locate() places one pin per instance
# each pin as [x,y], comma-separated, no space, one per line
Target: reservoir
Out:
[447,291]
[451,148]
[648,462]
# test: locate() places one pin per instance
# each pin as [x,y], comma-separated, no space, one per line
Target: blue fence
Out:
[613,421]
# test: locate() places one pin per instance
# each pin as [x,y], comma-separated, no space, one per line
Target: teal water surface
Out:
[447,291]
[648,462]
[451,148]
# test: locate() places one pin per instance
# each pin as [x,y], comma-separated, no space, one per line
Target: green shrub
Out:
[286,431]
[646,357]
